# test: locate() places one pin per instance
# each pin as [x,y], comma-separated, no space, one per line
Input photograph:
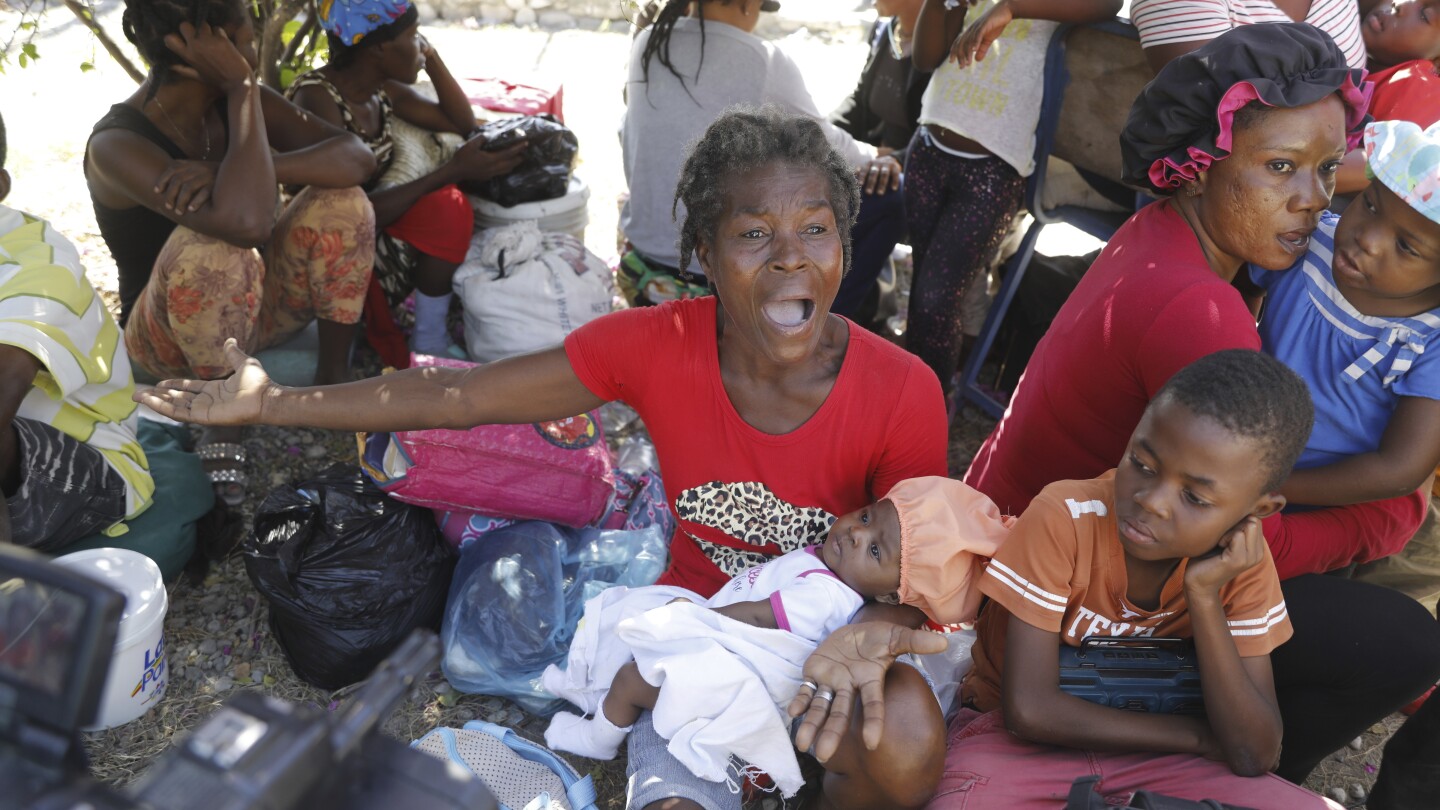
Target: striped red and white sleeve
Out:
[1255,610]
[1164,22]
[1031,573]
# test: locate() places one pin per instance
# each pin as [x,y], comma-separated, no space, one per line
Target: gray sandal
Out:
[231,452]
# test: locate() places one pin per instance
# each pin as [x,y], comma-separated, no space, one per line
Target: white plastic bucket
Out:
[138,668]
[567,214]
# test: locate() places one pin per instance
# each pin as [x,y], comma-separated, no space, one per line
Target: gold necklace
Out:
[899,41]
[203,128]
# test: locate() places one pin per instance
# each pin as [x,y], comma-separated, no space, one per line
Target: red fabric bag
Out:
[501,95]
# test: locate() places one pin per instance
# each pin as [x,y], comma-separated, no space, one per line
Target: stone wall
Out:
[563,14]
[553,14]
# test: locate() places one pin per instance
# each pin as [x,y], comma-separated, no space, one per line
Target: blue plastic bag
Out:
[518,594]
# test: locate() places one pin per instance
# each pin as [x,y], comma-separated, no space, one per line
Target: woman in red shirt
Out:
[754,394]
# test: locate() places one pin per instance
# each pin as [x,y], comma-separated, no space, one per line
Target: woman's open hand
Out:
[209,56]
[974,42]
[852,660]
[236,400]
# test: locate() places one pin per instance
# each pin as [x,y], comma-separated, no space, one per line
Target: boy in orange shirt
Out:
[1168,544]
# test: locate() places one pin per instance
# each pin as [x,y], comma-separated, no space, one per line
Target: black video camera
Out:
[57,631]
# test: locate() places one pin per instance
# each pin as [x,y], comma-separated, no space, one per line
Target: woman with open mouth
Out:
[767,411]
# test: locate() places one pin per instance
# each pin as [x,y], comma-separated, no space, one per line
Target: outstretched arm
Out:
[528,388]
[1408,454]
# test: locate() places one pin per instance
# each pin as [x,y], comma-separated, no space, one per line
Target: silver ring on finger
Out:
[811,685]
[825,693]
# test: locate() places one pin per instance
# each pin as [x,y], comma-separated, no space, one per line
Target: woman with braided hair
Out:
[184,176]
[685,69]
[753,395]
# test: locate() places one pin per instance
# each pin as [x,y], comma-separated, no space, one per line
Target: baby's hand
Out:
[1240,550]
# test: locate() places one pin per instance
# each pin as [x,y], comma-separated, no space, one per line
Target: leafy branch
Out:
[287,45]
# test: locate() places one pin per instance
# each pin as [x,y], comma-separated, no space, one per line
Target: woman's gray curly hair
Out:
[742,139]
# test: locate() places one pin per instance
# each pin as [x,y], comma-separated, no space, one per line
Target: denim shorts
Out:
[67,491]
[654,774]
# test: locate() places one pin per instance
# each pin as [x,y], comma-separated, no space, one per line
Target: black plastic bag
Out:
[543,174]
[348,573]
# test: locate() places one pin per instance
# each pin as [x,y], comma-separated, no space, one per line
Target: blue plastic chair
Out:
[1099,224]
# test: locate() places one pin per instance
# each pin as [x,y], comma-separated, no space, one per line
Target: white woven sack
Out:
[418,152]
[524,290]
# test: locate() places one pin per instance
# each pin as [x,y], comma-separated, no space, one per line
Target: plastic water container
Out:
[138,668]
[568,214]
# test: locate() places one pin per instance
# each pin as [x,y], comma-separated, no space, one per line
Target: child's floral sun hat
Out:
[1407,160]
[948,531]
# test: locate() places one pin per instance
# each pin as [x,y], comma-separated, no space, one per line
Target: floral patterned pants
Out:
[203,290]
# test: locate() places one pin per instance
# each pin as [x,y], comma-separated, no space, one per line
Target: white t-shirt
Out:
[996,101]
[809,600]
[663,117]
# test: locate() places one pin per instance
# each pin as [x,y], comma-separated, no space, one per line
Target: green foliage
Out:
[17,40]
[312,51]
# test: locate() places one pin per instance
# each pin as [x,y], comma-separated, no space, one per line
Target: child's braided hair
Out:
[146,23]
[742,139]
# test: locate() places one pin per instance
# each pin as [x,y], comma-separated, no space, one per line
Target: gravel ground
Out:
[217,630]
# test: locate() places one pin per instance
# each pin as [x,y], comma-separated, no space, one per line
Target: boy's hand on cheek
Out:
[1242,548]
